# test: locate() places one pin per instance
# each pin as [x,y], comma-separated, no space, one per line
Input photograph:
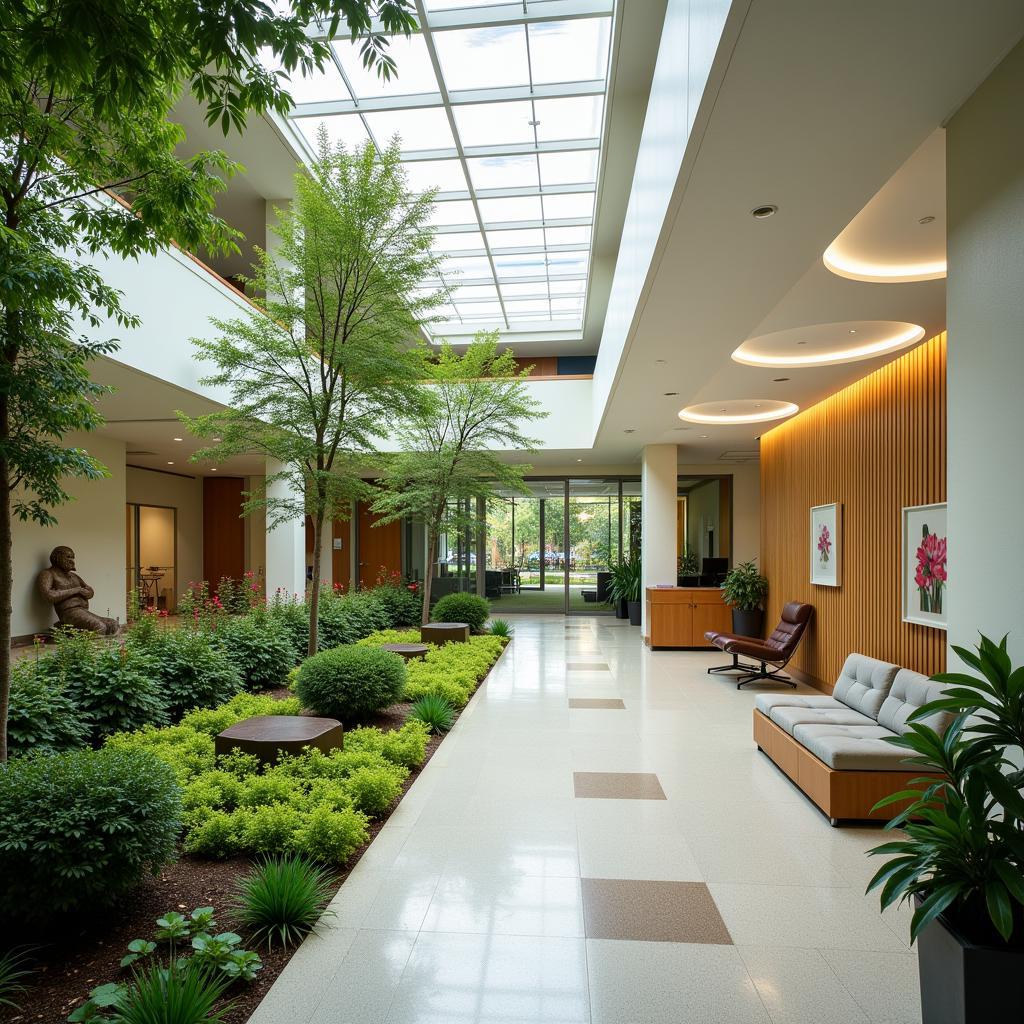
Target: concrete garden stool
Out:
[270,736]
[442,633]
[411,652]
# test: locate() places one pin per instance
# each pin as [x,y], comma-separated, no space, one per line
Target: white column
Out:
[985,367]
[658,511]
[286,543]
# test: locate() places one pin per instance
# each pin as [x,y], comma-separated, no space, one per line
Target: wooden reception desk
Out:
[680,616]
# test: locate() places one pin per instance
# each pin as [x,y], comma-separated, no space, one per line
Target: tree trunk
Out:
[429,574]
[314,597]
[6,587]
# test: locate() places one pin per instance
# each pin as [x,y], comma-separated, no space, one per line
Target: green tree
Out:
[316,382]
[475,407]
[86,90]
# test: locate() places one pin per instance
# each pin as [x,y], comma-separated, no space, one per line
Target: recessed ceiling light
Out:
[213,469]
[741,410]
[852,331]
[763,212]
[177,439]
[702,435]
[579,460]
[779,380]
[926,220]
[630,430]
[670,394]
[660,361]
[170,463]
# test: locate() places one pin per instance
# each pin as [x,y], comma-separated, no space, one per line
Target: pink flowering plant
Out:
[930,571]
[824,544]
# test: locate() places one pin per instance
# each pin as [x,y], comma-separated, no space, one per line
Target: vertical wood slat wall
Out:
[875,447]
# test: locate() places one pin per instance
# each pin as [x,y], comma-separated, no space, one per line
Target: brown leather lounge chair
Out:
[775,651]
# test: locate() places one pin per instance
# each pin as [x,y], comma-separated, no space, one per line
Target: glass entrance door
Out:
[593,535]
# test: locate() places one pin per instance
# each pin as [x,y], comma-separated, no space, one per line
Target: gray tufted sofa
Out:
[835,747]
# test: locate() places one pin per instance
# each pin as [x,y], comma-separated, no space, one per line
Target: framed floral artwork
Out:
[925,583]
[827,545]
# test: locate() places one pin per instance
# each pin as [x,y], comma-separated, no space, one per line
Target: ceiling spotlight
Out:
[660,361]
[670,394]
[763,212]
[177,439]
[170,463]
[579,460]
[926,220]
[213,469]
[702,435]
[680,428]
[779,380]
[630,430]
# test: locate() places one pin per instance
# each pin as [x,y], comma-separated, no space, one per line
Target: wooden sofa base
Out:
[842,795]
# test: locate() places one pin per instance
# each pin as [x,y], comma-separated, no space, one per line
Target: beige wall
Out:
[746,504]
[985,314]
[149,487]
[94,525]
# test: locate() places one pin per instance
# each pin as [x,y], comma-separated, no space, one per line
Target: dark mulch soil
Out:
[85,952]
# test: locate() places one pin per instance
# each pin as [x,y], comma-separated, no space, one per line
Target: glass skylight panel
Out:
[577,167]
[569,51]
[568,264]
[446,175]
[480,309]
[528,264]
[576,287]
[504,171]
[466,267]
[511,208]
[567,236]
[496,124]
[523,289]
[533,237]
[325,84]
[470,293]
[453,211]
[525,306]
[452,241]
[567,304]
[341,128]
[483,58]
[573,204]
[446,5]
[415,72]
[422,128]
[577,117]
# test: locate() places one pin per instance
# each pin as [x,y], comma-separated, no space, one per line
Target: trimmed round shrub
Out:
[42,716]
[466,608]
[260,647]
[191,669]
[81,828]
[350,683]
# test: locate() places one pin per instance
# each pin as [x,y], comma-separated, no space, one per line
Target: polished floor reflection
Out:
[501,892]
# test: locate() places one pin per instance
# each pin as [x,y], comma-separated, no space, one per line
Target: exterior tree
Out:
[86,90]
[475,408]
[322,374]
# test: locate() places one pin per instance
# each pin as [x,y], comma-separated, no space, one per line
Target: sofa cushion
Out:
[766,701]
[864,683]
[853,747]
[789,718]
[911,690]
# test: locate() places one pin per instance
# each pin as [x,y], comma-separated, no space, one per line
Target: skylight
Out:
[501,107]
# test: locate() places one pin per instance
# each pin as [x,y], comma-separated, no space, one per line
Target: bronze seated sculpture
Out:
[70,595]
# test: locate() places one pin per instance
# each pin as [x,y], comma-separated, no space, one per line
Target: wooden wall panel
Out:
[876,447]
[380,547]
[223,529]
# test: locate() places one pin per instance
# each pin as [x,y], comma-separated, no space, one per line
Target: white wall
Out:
[985,368]
[93,525]
[658,487]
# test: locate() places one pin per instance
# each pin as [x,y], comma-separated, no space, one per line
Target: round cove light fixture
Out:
[828,344]
[738,410]
[845,264]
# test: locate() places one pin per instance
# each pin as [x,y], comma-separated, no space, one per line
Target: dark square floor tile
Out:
[608,703]
[617,786]
[586,666]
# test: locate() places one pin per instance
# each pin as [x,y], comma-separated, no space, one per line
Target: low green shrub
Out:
[500,627]
[330,835]
[406,746]
[242,706]
[374,789]
[453,671]
[81,828]
[186,751]
[402,602]
[292,615]
[42,716]
[351,682]
[282,899]
[436,712]
[192,669]
[466,608]
[390,636]
[259,646]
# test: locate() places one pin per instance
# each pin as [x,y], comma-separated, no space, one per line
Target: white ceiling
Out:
[818,107]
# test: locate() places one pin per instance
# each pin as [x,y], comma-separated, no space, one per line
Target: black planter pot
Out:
[964,983]
[621,611]
[634,612]
[747,623]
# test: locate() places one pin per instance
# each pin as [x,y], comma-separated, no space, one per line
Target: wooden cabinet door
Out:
[671,624]
[709,613]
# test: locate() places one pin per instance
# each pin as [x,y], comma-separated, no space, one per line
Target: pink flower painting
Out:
[930,571]
[824,544]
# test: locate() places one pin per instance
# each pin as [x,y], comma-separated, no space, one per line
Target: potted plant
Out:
[624,587]
[688,569]
[745,589]
[961,857]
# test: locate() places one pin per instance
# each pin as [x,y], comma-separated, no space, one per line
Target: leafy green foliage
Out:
[962,855]
[42,715]
[435,711]
[626,578]
[402,601]
[315,384]
[282,899]
[450,442]
[373,789]
[259,646]
[745,588]
[82,827]
[350,682]
[500,627]
[406,746]
[468,608]
[14,968]
[192,669]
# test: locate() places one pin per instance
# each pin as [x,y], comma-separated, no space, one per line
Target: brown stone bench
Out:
[408,651]
[441,633]
[270,736]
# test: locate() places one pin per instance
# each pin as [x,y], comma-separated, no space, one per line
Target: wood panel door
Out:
[223,529]
[380,547]
[341,568]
